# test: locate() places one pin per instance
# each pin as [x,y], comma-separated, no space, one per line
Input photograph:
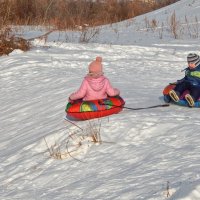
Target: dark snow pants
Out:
[194,91]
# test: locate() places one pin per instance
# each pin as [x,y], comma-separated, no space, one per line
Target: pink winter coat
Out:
[94,88]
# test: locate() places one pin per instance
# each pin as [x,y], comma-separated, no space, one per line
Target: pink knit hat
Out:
[96,67]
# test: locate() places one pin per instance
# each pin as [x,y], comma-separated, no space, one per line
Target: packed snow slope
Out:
[150,154]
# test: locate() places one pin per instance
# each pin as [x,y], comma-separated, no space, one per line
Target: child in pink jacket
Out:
[95,85]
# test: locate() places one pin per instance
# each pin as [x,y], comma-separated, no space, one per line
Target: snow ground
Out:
[146,154]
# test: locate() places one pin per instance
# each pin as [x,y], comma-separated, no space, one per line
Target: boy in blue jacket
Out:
[190,82]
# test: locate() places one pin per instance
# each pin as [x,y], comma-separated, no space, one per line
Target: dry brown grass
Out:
[9,42]
[68,14]
[76,143]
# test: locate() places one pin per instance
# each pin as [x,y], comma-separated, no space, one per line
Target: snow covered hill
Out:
[146,154]
[179,20]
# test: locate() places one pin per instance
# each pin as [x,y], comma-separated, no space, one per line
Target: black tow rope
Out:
[148,107]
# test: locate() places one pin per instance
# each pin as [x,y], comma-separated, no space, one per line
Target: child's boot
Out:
[190,100]
[174,95]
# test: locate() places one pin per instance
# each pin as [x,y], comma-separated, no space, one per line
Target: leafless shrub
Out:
[154,24]
[196,27]
[88,34]
[150,24]
[76,142]
[188,25]
[160,31]
[147,24]
[192,27]
[167,190]
[174,25]
[42,37]
[9,42]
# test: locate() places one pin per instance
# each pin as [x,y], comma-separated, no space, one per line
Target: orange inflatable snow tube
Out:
[84,110]
[182,101]
[168,88]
